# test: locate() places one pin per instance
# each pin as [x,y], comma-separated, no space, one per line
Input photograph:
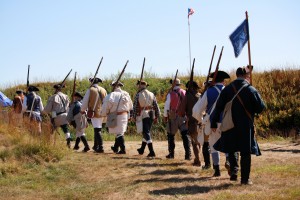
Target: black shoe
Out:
[247,182]
[76,147]
[99,151]
[115,150]
[122,152]
[69,143]
[151,155]
[233,177]
[141,151]
[86,149]
[187,157]
[197,163]
[205,167]
[217,171]
[170,156]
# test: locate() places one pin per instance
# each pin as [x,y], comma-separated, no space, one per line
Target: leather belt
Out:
[121,113]
[146,108]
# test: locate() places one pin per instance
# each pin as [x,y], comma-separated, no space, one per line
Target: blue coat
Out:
[241,137]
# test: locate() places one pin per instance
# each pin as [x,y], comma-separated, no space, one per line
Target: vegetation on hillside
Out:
[279,88]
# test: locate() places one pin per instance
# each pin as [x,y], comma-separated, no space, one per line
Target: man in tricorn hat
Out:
[81,123]
[118,101]
[33,106]
[241,137]
[92,103]
[145,109]
[17,106]
[186,110]
[58,105]
[175,122]
[207,103]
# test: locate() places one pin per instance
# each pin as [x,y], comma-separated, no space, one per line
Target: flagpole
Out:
[249,51]
[190,43]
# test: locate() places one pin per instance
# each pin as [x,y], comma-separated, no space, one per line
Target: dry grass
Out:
[131,176]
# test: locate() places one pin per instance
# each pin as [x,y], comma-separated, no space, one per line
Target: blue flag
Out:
[4,101]
[240,37]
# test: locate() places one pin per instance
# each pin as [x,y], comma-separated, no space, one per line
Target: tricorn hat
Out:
[19,91]
[177,81]
[97,80]
[142,83]
[77,94]
[32,88]
[118,84]
[194,85]
[221,75]
[58,86]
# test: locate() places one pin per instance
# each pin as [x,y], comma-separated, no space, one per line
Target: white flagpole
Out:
[190,43]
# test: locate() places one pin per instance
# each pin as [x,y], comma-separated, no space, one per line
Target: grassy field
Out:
[55,172]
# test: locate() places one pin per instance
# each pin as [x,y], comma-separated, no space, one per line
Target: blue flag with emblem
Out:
[240,37]
[4,101]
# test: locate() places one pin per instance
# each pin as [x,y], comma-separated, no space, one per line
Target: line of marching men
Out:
[184,111]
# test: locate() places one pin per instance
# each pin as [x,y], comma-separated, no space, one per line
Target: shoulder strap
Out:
[63,102]
[119,102]
[236,95]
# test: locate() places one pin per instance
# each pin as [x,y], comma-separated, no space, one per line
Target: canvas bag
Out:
[139,120]
[227,122]
[112,117]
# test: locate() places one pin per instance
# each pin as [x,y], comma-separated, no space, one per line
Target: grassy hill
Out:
[279,88]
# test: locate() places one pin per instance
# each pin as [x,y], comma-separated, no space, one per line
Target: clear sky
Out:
[54,36]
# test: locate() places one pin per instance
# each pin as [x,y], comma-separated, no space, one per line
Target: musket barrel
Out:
[96,71]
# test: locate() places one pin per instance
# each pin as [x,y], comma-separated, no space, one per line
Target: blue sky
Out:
[55,36]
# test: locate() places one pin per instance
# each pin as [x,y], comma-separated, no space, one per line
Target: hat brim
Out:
[221,75]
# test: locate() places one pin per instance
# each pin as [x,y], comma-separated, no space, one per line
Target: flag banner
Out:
[190,12]
[4,101]
[239,38]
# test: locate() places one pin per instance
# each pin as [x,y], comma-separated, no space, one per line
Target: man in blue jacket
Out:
[240,138]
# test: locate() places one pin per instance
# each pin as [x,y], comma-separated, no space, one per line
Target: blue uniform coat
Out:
[241,137]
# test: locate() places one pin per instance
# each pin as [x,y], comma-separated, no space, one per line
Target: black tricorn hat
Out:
[194,85]
[32,88]
[58,86]
[19,91]
[221,75]
[77,94]
[142,83]
[97,80]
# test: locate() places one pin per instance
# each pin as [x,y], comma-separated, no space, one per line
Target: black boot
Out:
[98,148]
[115,148]
[69,142]
[86,145]
[187,145]
[122,145]
[142,149]
[151,154]
[76,146]
[245,168]
[217,171]
[227,165]
[206,155]
[171,146]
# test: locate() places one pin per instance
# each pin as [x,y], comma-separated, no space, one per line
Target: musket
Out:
[96,72]
[63,82]
[207,78]
[27,84]
[122,72]
[142,73]
[217,68]
[191,77]
[74,88]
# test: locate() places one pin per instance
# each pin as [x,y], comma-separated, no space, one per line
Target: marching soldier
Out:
[145,109]
[58,105]
[33,106]
[17,106]
[240,138]
[190,98]
[80,120]
[175,122]
[118,103]
[207,103]
[92,102]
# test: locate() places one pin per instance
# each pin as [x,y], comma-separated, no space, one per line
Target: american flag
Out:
[190,12]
